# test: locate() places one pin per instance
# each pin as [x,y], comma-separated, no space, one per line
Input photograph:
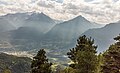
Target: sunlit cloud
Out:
[100,11]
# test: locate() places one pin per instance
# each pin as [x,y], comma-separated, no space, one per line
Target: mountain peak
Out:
[81,18]
[39,14]
[36,16]
[42,13]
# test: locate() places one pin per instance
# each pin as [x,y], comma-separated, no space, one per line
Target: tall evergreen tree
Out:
[112,58]
[100,62]
[40,63]
[84,55]
[68,70]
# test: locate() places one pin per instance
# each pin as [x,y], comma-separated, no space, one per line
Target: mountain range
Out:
[19,24]
[71,29]
[29,31]
[35,20]
[36,25]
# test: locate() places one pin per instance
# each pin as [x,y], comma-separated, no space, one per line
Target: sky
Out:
[99,11]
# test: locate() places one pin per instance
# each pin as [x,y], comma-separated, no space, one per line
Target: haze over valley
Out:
[37,30]
[26,26]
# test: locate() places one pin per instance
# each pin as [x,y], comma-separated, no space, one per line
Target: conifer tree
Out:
[68,70]
[100,62]
[40,63]
[84,55]
[112,58]
[7,71]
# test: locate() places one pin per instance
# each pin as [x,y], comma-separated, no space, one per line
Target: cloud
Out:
[100,11]
[47,4]
[109,11]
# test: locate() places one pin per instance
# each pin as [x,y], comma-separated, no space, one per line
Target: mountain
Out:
[14,64]
[70,29]
[25,25]
[38,21]
[28,33]
[5,25]
[37,30]
[104,36]
[16,19]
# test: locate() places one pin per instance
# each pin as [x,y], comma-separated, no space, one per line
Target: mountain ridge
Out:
[80,24]
[104,36]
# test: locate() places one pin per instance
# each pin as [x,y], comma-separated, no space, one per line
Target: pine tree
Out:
[7,71]
[40,63]
[112,58]
[100,62]
[84,55]
[68,70]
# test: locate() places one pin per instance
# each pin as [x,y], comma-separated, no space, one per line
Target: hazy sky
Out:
[101,11]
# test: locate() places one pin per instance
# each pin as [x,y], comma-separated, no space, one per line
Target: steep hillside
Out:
[26,33]
[14,64]
[104,36]
[29,19]
[70,29]
[39,21]
[5,25]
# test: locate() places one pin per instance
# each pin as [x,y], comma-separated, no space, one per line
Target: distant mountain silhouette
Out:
[30,19]
[39,21]
[70,29]
[27,25]
[16,19]
[26,33]
[5,25]
[104,36]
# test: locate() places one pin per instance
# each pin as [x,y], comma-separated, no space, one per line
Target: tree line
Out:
[84,57]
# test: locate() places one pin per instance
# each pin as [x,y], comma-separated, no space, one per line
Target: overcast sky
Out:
[100,11]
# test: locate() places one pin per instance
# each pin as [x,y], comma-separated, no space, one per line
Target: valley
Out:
[56,39]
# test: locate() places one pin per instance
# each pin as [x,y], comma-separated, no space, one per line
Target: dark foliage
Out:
[40,63]
[112,58]
[84,55]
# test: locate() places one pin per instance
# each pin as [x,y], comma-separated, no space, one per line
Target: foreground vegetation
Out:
[14,64]
[84,59]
